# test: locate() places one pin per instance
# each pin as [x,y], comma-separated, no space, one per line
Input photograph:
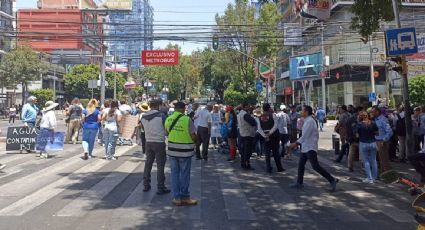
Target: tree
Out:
[76,82]
[417,90]
[269,37]
[42,95]
[21,66]
[368,15]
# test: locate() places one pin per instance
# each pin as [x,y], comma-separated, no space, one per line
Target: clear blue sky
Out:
[166,12]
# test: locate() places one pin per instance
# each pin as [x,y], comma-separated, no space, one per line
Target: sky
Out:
[183,12]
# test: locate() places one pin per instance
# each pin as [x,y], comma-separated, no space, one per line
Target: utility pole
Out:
[372,77]
[405,90]
[102,76]
[323,69]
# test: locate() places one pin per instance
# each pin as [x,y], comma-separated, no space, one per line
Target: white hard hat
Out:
[282,107]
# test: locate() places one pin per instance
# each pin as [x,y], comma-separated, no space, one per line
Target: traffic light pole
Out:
[405,90]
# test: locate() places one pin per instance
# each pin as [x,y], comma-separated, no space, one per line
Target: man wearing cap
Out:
[203,122]
[29,112]
[181,147]
[153,124]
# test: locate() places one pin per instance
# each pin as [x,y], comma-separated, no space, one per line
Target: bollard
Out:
[333,141]
[336,143]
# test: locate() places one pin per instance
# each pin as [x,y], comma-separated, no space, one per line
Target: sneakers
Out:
[90,157]
[163,191]
[296,185]
[2,166]
[281,170]
[333,185]
[85,156]
[368,181]
[189,202]
[177,202]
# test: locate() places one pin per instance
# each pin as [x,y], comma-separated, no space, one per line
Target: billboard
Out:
[420,42]
[316,9]
[292,34]
[106,4]
[305,66]
[160,57]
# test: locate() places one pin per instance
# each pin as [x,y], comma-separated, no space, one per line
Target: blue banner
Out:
[48,140]
[305,66]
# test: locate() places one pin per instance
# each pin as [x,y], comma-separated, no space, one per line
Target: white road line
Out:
[81,205]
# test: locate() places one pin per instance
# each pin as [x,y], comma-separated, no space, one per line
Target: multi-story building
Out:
[130,32]
[6,28]
[348,78]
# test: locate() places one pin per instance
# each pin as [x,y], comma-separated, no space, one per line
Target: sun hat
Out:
[144,107]
[50,105]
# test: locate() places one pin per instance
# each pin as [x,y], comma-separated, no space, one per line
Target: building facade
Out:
[348,76]
[6,44]
[130,32]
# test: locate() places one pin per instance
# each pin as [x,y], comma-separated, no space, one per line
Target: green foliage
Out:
[42,95]
[20,66]
[269,35]
[76,82]
[330,117]
[369,14]
[84,102]
[417,90]
[234,97]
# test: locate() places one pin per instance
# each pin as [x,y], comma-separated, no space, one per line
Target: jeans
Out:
[204,140]
[312,157]
[155,151]
[43,137]
[344,151]
[272,147]
[259,143]
[248,147]
[216,140]
[321,125]
[89,138]
[284,138]
[180,176]
[143,139]
[110,138]
[100,135]
[368,152]
[12,118]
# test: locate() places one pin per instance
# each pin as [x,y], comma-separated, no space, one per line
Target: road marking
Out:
[85,202]
[235,201]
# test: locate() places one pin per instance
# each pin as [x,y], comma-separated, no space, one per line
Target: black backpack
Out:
[400,127]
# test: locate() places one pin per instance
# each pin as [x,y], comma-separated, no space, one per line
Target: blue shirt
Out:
[91,120]
[321,114]
[384,128]
[29,113]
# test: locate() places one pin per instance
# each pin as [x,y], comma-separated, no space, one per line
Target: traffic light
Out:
[215,42]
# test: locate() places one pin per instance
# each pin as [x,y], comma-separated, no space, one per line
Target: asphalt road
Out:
[66,192]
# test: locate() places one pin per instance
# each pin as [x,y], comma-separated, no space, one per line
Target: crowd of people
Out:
[376,136]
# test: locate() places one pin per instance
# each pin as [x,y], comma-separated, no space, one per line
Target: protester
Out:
[352,138]
[153,125]
[268,129]
[12,114]
[232,131]
[103,108]
[91,118]
[309,146]
[247,129]
[75,114]
[382,139]
[111,117]
[215,126]
[294,115]
[400,131]
[341,129]
[283,122]
[417,132]
[29,112]
[366,130]
[321,117]
[259,140]
[181,138]
[47,128]
[144,108]
[203,122]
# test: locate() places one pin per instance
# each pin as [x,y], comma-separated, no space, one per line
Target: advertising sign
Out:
[317,9]
[160,57]
[292,34]
[305,66]
[106,4]
[420,42]
[21,138]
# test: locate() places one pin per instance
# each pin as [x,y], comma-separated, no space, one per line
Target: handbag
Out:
[337,126]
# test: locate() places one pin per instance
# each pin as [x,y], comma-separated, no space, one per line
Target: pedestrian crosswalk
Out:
[104,194]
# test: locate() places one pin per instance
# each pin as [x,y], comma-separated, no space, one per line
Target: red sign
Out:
[160,57]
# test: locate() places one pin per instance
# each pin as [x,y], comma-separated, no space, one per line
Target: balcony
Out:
[357,58]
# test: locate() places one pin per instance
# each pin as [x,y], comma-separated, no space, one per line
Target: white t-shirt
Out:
[203,117]
[111,122]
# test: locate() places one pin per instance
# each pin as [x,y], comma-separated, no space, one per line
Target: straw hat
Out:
[144,107]
[50,105]
[257,112]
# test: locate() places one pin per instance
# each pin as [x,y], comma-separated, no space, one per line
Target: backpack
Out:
[400,127]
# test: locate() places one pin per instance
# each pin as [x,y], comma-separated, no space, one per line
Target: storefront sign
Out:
[305,66]
[21,138]
[160,57]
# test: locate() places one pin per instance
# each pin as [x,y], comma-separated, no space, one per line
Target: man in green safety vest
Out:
[181,147]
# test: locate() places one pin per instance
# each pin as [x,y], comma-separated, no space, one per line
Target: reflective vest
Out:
[180,143]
